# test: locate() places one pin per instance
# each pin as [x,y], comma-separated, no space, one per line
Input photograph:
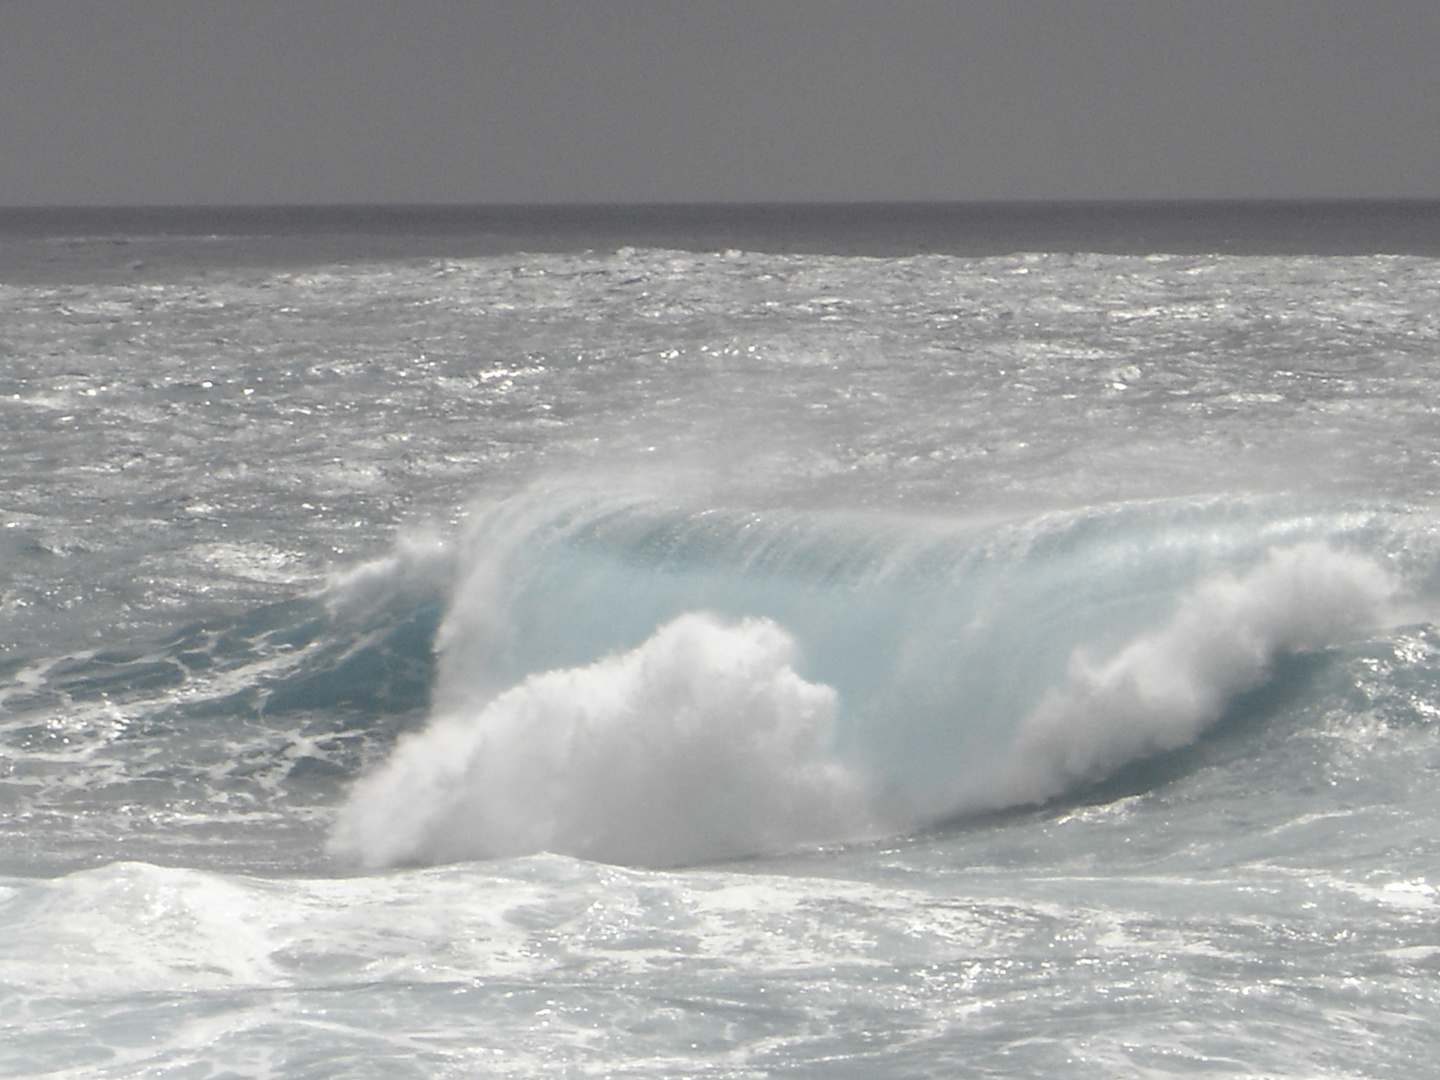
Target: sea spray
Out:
[702,743]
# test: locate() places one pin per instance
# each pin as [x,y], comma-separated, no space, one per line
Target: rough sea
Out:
[873,642]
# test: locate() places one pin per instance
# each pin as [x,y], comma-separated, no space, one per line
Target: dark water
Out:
[54,244]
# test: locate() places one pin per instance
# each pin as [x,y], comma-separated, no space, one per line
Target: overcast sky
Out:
[364,101]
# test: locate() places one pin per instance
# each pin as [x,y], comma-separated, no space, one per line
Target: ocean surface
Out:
[739,642]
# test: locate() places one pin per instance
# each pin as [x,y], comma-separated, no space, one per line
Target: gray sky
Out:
[358,101]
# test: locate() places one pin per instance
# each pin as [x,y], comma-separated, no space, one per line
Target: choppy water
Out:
[661,662]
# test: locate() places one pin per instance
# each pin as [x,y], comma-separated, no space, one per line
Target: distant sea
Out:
[991,640]
[47,243]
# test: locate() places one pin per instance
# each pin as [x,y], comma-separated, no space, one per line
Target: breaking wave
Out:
[633,682]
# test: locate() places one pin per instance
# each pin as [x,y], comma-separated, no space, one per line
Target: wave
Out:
[637,682]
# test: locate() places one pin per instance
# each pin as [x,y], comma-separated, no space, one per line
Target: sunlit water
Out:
[655,662]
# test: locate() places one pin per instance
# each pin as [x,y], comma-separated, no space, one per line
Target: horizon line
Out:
[738,205]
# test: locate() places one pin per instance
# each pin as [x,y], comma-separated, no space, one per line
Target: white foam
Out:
[1166,686]
[702,743]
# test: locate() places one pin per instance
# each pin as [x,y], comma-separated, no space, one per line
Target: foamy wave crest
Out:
[701,743]
[1166,686]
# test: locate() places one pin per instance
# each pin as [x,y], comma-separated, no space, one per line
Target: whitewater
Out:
[614,652]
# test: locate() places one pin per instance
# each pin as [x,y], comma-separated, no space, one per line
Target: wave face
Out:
[635,682]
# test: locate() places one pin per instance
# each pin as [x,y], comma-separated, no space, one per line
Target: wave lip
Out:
[700,744]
